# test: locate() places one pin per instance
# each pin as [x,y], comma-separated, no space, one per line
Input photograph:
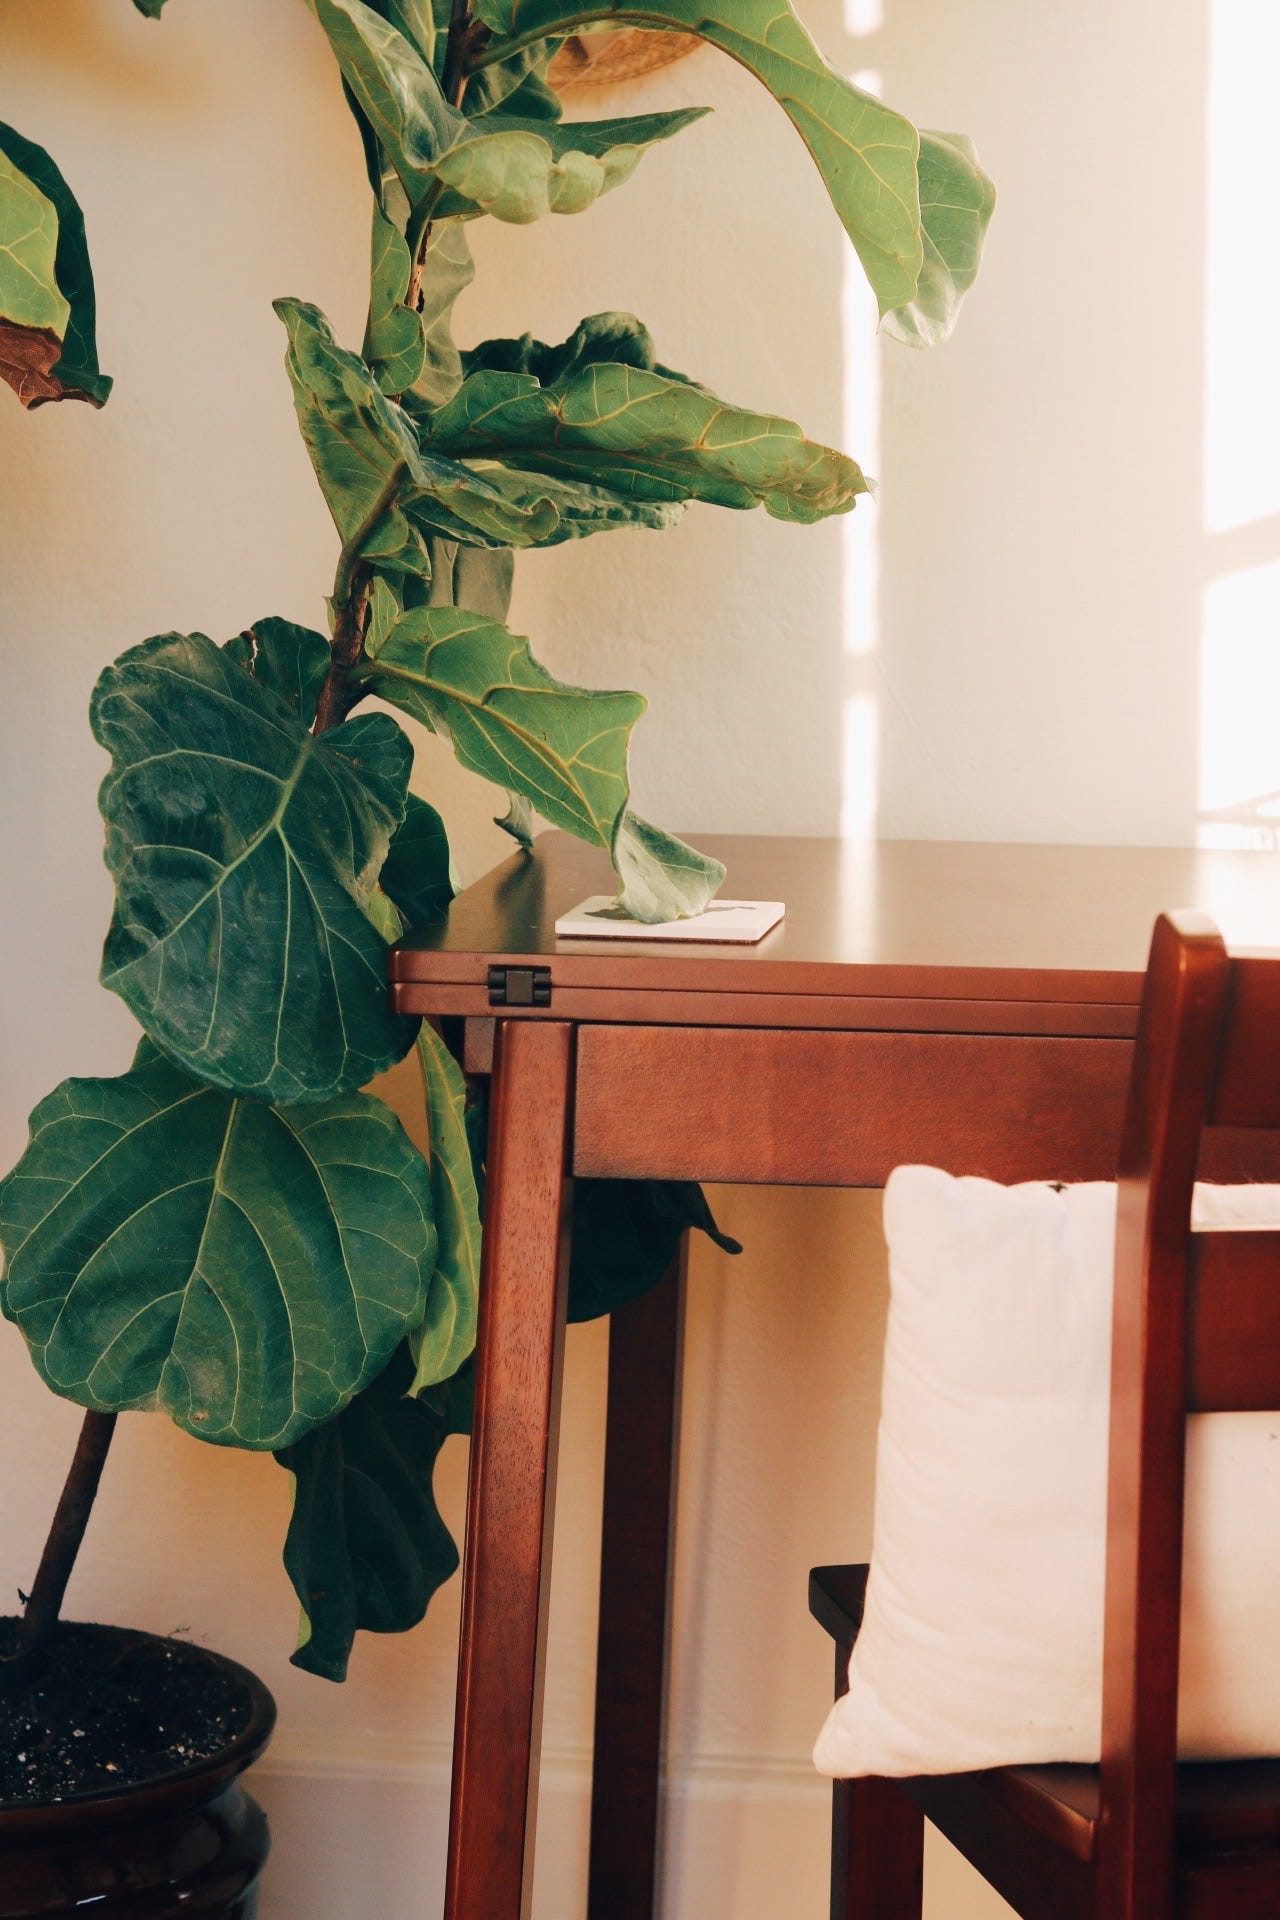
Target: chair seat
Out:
[1223,1805]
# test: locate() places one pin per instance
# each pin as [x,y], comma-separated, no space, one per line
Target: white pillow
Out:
[982,1641]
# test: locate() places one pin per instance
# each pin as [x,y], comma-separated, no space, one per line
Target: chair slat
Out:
[1234,1332]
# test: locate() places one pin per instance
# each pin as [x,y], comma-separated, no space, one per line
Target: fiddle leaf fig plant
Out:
[232,1231]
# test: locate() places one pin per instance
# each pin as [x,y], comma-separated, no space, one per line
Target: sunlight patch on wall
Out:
[862,17]
[1240,654]
[860,774]
[1242,470]
[1240,711]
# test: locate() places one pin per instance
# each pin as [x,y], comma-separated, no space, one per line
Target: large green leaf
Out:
[385,494]
[152,8]
[244,1268]
[73,373]
[867,153]
[447,1334]
[291,661]
[626,1233]
[244,849]
[660,877]
[645,436]
[563,748]
[366,1547]
[517,169]
[956,203]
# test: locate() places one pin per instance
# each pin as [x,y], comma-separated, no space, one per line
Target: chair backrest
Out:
[1196,1328]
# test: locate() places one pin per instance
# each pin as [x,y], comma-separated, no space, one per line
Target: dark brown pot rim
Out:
[168,1792]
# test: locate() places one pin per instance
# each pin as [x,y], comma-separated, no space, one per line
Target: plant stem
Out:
[457,58]
[67,1532]
[344,651]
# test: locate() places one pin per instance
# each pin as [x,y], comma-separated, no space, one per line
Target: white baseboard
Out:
[363,1834]
[360,1835]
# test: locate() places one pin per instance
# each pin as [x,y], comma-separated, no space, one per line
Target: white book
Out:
[729,922]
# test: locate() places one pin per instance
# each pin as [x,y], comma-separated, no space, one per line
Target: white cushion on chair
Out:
[982,1641]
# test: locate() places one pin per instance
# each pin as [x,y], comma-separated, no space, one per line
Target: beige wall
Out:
[1015,629]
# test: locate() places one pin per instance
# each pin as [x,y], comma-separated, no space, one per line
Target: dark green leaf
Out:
[290,661]
[562,748]
[244,1268]
[418,874]
[366,1547]
[152,8]
[626,1233]
[75,374]
[617,338]
[447,1334]
[645,437]
[244,850]
[956,203]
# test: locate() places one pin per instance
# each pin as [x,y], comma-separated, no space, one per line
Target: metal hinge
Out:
[519,986]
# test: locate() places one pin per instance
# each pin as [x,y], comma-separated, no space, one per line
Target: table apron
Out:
[819,1108]
[847,1012]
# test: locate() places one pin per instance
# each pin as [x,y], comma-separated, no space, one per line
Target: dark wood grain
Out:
[828,1109]
[641,1445]
[511,1494]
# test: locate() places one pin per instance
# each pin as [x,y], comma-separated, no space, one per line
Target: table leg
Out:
[645,1339]
[511,1496]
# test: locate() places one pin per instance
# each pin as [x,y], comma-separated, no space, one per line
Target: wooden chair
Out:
[1196,1329]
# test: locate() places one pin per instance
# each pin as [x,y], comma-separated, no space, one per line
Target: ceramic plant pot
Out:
[187,1845]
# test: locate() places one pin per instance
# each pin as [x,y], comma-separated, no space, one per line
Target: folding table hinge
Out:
[519,986]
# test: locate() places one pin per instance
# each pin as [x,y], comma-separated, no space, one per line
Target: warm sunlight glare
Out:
[861,557]
[1242,465]
[1240,658]
[862,17]
[1240,710]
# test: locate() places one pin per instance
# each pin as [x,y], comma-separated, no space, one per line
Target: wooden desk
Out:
[968,1005]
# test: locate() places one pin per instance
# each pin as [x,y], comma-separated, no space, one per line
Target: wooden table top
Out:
[946,919]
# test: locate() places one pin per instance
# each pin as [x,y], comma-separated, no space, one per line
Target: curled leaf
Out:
[48,345]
